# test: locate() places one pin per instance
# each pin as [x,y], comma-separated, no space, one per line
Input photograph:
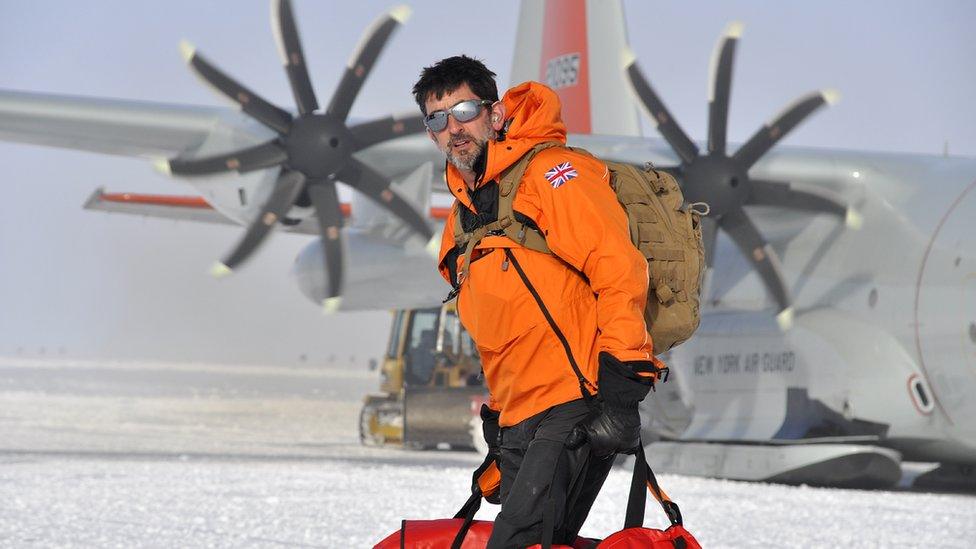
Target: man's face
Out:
[462,142]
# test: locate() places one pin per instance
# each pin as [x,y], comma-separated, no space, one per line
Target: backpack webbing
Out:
[506,224]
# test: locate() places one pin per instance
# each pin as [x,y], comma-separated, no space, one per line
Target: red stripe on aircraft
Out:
[440,212]
[565,60]
[157,200]
[198,202]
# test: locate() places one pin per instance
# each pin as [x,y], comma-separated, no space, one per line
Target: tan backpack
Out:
[666,232]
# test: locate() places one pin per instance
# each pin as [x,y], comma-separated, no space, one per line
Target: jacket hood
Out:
[532,116]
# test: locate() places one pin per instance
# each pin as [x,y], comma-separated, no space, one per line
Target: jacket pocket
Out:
[494,305]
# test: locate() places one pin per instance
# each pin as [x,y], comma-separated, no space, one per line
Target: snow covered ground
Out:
[202,455]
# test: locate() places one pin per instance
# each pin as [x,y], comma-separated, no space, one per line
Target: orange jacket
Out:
[525,364]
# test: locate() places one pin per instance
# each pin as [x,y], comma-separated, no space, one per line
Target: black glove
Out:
[491,432]
[490,429]
[613,426]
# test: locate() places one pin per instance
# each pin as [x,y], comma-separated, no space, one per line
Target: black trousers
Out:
[543,483]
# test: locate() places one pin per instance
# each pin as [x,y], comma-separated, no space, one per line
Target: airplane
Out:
[823,355]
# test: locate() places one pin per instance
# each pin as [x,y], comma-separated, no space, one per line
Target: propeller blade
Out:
[249,102]
[775,193]
[260,156]
[290,48]
[286,190]
[721,87]
[764,260]
[325,198]
[709,236]
[682,145]
[362,61]
[367,181]
[368,134]
[771,133]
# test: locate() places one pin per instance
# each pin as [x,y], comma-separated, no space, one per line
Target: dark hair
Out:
[448,74]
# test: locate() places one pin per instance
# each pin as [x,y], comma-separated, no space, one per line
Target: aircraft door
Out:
[945,320]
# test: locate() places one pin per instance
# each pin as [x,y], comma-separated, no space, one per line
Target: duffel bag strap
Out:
[487,480]
[644,479]
[467,512]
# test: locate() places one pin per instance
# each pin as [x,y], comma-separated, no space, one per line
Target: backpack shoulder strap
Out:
[506,223]
[460,237]
[511,176]
[508,184]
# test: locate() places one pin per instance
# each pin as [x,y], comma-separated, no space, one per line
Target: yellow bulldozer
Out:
[430,384]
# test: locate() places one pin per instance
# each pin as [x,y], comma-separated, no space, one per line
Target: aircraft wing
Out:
[115,126]
[180,208]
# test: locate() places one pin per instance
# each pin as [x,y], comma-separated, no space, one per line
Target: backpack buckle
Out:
[453,293]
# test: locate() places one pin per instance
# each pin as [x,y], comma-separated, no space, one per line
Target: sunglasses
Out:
[465,111]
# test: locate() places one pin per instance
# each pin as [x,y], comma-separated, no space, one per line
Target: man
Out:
[550,327]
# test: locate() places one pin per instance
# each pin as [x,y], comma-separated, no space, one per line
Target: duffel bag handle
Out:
[487,481]
[467,512]
[644,479]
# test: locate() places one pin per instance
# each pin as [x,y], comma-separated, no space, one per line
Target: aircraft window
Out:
[391,351]
[920,395]
[419,356]
[972,332]
[873,298]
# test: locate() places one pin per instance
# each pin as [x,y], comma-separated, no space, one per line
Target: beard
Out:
[469,160]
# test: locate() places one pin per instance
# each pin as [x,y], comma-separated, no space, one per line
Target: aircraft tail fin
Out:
[576,47]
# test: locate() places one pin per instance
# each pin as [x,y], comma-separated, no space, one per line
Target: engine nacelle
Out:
[374,273]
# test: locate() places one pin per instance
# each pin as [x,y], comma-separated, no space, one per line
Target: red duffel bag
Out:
[437,534]
[463,532]
[635,535]
[443,533]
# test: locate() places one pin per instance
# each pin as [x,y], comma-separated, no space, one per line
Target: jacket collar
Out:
[533,117]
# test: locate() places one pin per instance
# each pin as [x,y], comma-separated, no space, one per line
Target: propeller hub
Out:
[717,180]
[318,145]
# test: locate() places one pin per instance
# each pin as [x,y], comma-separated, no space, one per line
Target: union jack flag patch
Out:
[560,174]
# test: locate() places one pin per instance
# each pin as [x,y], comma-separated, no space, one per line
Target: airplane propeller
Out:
[314,149]
[722,180]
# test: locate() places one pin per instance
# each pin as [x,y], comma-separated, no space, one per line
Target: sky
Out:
[80,283]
